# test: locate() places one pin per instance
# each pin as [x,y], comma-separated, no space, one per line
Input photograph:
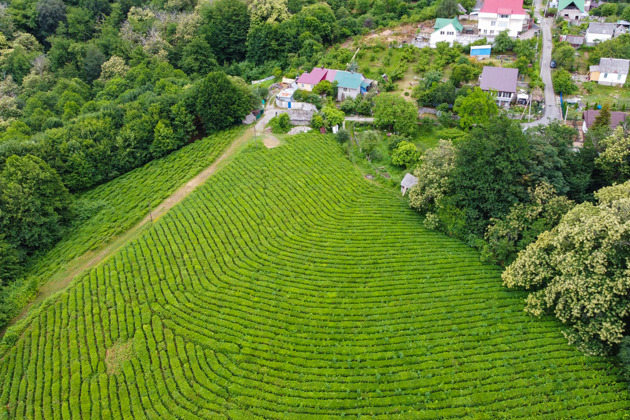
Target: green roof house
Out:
[446,30]
[572,10]
[350,84]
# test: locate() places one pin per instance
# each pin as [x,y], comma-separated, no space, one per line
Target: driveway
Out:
[552,110]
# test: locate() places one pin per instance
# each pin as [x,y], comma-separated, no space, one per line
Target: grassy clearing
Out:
[287,286]
[612,95]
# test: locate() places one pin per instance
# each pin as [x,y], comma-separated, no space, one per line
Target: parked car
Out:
[553,64]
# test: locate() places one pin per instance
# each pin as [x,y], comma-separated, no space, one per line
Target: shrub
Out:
[406,154]
[280,124]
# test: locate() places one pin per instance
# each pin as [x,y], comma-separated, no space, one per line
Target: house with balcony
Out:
[497,16]
[501,82]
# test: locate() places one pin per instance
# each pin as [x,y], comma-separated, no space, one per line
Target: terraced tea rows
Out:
[122,202]
[289,287]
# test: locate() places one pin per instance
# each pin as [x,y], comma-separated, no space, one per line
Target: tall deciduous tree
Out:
[34,203]
[220,102]
[394,112]
[503,42]
[49,14]
[268,11]
[197,57]
[580,271]
[447,9]
[226,25]
[475,108]
[490,172]
[614,159]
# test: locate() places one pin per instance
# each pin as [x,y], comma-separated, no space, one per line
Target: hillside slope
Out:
[113,208]
[289,287]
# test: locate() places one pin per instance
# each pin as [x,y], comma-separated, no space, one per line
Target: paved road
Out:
[552,110]
[360,119]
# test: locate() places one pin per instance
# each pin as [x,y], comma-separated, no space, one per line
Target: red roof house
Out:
[307,81]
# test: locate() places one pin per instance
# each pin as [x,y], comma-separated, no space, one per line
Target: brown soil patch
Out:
[270,142]
[117,354]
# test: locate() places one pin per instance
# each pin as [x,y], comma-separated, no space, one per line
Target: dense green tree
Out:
[447,9]
[490,172]
[395,113]
[197,58]
[503,43]
[368,141]
[433,187]
[563,83]
[220,103]
[50,13]
[405,154]
[226,26]
[323,88]
[9,262]
[332,115]
[34,203]
[522,225]
[164,140]
[464,73]
[475,108]
[602,120]
[565,56]
[614,159]
[438,93]
[92,63]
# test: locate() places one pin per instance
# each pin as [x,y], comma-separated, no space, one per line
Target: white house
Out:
[611,71]
[497,16]
[446,30]
[598,32]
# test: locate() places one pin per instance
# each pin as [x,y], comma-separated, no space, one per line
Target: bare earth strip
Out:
[92,258]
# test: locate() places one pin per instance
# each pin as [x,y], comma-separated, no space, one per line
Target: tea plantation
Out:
[288,286]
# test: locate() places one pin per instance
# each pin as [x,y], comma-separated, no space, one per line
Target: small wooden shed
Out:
[407,182]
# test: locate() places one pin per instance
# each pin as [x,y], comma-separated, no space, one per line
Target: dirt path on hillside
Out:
[90,259]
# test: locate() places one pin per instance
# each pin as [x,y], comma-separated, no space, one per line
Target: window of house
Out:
[450,33]
[504,16]
[485,31]
[605,75]
[441,32]
[493,23]
[491,31]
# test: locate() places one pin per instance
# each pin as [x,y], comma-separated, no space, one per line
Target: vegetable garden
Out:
[289,287]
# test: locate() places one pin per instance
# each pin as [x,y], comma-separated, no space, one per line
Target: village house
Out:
[589,116]
[572,11]
[501,82]
[307,81]
[610,71]
[497,16]
[599,32]
[349,84]
[446,30]
[576,41]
